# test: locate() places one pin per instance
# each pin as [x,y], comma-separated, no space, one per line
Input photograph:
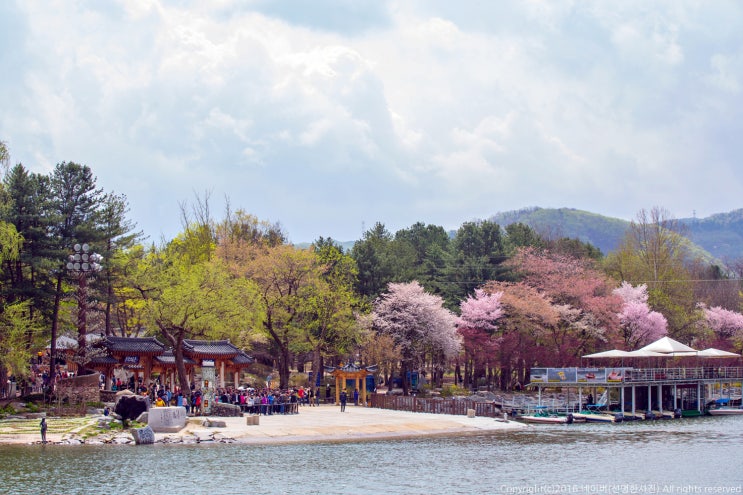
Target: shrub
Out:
[453,390]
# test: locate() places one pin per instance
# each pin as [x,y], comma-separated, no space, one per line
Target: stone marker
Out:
[470,413]
[167,419]
[252,420]
[143,436]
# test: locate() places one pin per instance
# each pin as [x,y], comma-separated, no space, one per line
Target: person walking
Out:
[344,399]
[42,425]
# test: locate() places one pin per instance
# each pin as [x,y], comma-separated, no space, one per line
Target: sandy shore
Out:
[313,424]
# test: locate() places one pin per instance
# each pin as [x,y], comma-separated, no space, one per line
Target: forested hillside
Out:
[721,235]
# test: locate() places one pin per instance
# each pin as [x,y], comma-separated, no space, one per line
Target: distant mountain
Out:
[720,235]
[603,232]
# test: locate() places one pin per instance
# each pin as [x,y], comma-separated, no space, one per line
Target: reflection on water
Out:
[587,457]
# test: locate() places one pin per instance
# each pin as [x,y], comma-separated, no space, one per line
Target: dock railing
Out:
[456,406]
[681,374]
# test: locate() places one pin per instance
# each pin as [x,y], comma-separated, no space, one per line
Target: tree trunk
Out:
[404,377]
[283,365]
[55,326]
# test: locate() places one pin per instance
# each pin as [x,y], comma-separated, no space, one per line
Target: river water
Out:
[701,455]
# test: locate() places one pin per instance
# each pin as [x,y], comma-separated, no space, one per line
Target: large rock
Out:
[130,406]
[167,419]
[225,410]
[143,436]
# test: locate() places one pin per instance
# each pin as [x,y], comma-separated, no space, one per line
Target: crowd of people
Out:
[250,400]
[267,401]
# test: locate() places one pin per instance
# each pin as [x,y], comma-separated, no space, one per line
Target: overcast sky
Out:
[330,115]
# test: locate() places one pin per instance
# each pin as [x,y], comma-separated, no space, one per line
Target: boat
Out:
[546,417]
[726,411]
[725,406]
[595,417]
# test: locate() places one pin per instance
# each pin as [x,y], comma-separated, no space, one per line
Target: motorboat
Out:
[725,406]
[546,417]
[595,417]
[726,411]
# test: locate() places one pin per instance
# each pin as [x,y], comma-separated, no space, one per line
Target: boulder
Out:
[166,419]
[143,436]
[214,423]
[225,410]
[129,407]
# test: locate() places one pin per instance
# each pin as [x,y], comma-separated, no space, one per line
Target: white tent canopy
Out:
[669,347]
[716,353]
[664,347]
[615,353]
[645,353]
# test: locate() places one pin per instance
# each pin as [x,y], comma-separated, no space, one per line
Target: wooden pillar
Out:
[147,371]
[699,396]
[363,391]
[221,374]
[337,389]
[237,378]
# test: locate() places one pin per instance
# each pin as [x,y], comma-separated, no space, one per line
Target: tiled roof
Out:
[168,358]
[104,361]
[210,348]
[242,358]
[133,345]
[350,368]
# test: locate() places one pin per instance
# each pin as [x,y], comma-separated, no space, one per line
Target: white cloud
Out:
[396,112]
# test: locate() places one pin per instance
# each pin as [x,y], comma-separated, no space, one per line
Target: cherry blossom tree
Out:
[639,324]
[584,295]
[477,327]
[725,324]
[419,325]
[523,331]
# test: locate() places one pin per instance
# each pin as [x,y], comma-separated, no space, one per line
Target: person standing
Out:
[42,425]
[344,399]
[355,397]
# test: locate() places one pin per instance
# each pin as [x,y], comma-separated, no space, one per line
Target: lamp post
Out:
[82,264]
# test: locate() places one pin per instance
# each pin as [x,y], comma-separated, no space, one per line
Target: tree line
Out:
[484,302]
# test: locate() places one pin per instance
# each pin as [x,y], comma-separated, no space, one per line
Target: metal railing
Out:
[682,374]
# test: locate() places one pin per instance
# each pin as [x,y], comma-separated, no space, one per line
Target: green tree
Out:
[655,252]
[119,235]
[422,253]
[286,278]
[329,323]
[16,325]
[374,260]
[73,219]
[183,300]
[478,253]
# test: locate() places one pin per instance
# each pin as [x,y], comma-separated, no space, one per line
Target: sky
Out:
[329,116]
